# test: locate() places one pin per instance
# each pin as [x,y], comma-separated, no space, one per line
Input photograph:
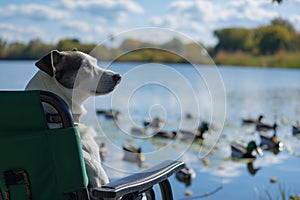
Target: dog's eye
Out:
[83,64]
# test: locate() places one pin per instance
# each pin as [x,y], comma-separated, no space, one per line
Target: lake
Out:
[221,96]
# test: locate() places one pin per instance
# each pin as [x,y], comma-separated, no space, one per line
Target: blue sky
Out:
[95,20]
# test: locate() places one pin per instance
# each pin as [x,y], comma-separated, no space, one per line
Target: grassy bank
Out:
[281,59]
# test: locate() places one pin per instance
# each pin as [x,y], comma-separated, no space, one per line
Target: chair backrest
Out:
[36,162]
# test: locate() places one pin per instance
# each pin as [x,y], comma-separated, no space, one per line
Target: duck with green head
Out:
[197,135]
[271,143]
[240,151]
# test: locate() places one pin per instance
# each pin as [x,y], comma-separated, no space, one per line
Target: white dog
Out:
[75,76]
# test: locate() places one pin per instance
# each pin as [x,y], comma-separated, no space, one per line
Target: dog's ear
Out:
[48,62]
[74,49]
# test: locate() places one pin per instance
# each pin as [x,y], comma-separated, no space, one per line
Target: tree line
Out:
[278,36]
[264,40]
[135,50]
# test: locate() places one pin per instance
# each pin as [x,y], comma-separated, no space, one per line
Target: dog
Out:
[75,76]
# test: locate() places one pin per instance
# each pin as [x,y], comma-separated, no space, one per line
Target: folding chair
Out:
[39,163]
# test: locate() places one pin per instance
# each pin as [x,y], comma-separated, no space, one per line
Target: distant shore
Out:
[281,59]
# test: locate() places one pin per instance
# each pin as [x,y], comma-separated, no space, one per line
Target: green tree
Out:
[284,23]
[296,41]
[271,39]
[36,49]
[234,39]
[15,51]
[173,45]
[3,45]
[87,48]
[68,44]
[130,44]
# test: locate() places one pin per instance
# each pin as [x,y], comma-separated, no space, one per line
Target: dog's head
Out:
[77,70]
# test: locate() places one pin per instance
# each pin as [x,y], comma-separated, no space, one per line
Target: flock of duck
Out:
[268,142]
[238,150]
[154,128]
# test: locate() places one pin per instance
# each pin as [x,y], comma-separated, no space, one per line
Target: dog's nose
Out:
[117,77]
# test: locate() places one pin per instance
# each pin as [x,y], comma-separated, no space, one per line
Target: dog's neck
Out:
[42,81]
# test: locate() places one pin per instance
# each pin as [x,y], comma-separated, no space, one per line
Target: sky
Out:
[95,20]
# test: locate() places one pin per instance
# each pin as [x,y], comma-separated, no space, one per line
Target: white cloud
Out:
[32,11]
[83,19]
[80,26]
[12,32]
[200,18]
[104,5]
[208,11]
[197,10]
[295,19]
[234,169]
[269,159]
[251,10]
[105,10]
[168,21]
[148,34]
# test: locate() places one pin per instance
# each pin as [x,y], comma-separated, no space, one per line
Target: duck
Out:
[190,116]
[240,151]
[187,135]
[185,175]
[260,126]
[133,154]
[109,114]
[137,131]
[165,134]
[155,123]
[252,121]
[296,129]
[270,143]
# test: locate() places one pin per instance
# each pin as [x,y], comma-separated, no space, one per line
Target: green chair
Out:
[39,163]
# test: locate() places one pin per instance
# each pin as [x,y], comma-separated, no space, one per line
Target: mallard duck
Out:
[109,114]
[260,126]
[133,154]
[187,135]
[270,143]
[155,123]
[252,121]
[186,175]
[165,134]
[296,128]
[240,151]
[138,131]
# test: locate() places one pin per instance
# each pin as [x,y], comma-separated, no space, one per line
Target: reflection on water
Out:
[252,170]
[250,92]
[275,93]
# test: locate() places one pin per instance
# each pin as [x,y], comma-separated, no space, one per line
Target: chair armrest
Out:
[139,182]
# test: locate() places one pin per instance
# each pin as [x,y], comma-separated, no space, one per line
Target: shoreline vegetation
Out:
[274,45]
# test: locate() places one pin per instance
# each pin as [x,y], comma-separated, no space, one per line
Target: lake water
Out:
[221,96]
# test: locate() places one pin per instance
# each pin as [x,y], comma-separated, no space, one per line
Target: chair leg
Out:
[150,195]
[80,195]
[165,190]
